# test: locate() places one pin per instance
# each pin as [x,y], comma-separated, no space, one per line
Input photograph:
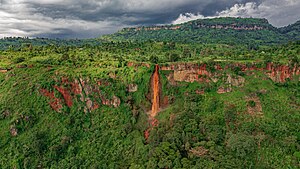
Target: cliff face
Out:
[193,72]
[84,91]
[250,24]
[79,90]
[216,23]
[190,72]
[233,26]
[154,28]
[199,26]
[282,72]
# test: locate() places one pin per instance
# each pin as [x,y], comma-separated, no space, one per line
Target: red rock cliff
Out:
[191,72]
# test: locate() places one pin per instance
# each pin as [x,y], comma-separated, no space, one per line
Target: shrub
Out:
[19,60]
[173,57]
[241,145]
[268,58]
[154,59]
[238,71]
[252,103]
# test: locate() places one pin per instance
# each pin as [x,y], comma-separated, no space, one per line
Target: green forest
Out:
[231,31]
[223,103]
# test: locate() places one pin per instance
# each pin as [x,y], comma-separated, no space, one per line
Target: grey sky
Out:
[91,18]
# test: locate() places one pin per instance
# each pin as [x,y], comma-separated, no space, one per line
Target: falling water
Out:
[155,88]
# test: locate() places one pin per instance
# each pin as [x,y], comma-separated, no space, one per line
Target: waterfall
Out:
[156,92]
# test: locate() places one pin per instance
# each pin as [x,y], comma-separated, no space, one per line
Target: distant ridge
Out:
[215,23]
[217,30]
[293,30]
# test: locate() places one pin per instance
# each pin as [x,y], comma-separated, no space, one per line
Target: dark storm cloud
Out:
[151,12]
[212,8]
[91,18]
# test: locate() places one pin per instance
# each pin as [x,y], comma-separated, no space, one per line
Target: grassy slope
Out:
[113,137]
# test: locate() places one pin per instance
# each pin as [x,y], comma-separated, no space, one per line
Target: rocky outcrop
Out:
[82,90]
[237,81]
[116,101]
[55,103]
[187,72]
[232,26]
[66,95]
[132,88]
[230,81]
[155,28]
[200,26]
[3,71]
[13,131]
[223,90]
[79,90]
[282,72]
[192,72]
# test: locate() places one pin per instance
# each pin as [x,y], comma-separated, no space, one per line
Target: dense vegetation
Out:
[17,43]
[256,125]
[292,31]
[230,31]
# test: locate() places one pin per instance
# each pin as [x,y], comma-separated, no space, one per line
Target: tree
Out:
[241,145]
[173,57]
[154,59]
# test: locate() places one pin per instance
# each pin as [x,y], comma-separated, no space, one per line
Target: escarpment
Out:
[68,92]
[191,72]
[79,90]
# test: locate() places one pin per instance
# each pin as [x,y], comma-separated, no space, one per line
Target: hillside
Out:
[150,105]
[17,43]
[292,31]
[250,31]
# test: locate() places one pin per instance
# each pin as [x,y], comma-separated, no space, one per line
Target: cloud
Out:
[278,12]
[188,17]
[26,18]
[37,25]
[91,18]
